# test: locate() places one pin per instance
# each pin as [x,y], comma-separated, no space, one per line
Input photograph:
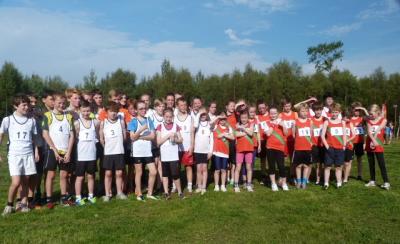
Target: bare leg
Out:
[119,181]
[138,179]
[12,191]
[107,182]
[78,185]
[152,178]
[91,180]
[49,183]
[216,177]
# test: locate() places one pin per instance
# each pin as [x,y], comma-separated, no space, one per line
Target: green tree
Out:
[90,81]
[10,84]
[324,55]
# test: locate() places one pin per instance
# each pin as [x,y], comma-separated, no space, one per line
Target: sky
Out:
[70,38]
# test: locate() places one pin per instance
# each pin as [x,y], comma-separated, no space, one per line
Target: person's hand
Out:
[313,99]
[327,147]
[171,135]
[67,158]
[259,149]
[37,158]
[209,155]
[190,150]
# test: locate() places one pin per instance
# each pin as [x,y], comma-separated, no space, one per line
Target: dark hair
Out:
[317,106]
[181,99]
[97,92]
[230,101]
[355,104]
[170,94]
[138,102]
[85,104]
[47,93]
[285,101]
[114,107]
[327,94]
[19,99]
[260,101]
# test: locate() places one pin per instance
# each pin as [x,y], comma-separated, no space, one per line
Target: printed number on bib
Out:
[375,129]
[264,126]
[288,123]
[305,131]
[359,130]
[21,136]
[348,132]
[336,131]
[111,134]
[63,129]
[317,132]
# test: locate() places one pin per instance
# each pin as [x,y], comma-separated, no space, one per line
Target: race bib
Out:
[317,132]
[63,129]
[375,129]
[22,135]
[87,136]
[336,131]
[288,123]
[304,131]
[110,133]
[348,133]
[359,130]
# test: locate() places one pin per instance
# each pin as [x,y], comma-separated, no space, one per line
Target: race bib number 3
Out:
[348,133]
[359,130]
[304,131]
[336,131]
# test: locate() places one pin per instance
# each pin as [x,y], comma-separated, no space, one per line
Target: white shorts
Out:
[21,165]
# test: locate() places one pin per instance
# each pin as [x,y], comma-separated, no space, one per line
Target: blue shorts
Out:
[220,163]
[334,156]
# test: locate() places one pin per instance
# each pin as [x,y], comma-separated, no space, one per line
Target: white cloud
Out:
[239,41]
[340,30]
[264,5]
[70,45]
[257,27]
[380,9]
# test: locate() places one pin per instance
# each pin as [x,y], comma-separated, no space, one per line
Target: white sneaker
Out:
[274,187]
[237,189]
[121,196]
[190,190]
[198,190]
[7,211]
[24,208]
[216,188]
[223,188]
[285,187]
[203,191]
[173,190]
[249,188]
[338,184]
[386,186]
[106,198]
[370,184]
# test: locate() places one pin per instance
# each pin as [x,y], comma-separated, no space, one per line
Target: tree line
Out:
[283,79]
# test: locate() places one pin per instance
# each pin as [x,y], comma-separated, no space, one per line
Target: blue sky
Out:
[69,38]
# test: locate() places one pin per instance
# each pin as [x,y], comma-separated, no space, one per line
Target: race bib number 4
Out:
[336,131]
[304,131]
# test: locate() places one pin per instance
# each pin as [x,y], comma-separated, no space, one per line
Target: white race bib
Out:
[110,133]
[21,135]
[336,131]
[348,132]
[306,131]
[264,126]
[317,132]
[375,129]
[288,123]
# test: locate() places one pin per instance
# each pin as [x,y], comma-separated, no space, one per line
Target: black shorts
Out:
[334,156]
[317,154]
[200,158]
[302,157]
[83,167]
[127,156]
[114,162]
[348,155]
[51,164]
[156,152]
[358,149]
[232,152]
[100,154]
[40,164]
[143,160]
[171,169]
[263,152]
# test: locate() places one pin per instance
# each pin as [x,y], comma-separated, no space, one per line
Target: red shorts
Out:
[186,158]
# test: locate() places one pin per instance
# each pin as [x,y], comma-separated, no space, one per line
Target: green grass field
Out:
[351,214]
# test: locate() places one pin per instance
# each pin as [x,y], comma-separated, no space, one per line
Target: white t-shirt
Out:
[168,151]
[186,127]
[86,147]
[113,138]
[20,130]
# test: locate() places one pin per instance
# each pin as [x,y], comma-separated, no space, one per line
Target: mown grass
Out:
[352,214]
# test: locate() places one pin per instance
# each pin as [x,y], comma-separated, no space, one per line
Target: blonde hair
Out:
[375,108]
[303,106]
[336,107]
[157,102]
[71,91]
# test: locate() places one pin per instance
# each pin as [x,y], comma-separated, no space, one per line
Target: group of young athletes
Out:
[119,140]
